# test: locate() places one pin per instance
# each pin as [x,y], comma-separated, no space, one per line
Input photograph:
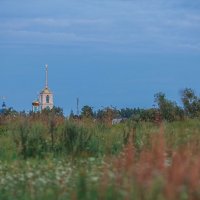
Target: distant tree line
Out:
[164,109]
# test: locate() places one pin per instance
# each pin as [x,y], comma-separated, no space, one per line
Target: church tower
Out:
[46,96]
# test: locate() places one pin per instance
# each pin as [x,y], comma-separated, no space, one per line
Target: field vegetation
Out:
[152,155]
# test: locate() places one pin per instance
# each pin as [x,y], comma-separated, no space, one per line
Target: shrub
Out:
[30,139]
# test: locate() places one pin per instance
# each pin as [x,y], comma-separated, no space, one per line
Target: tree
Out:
[168,109]
[127,112]
[57,111]
[107,114]
[148,115]
[10,112]
[191,103]
[87,112]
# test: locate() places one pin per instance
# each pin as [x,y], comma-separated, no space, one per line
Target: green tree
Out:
[87,112]
[10,112]
[168,109]
[107,114]
[191,103]
[56,111]
[127,112]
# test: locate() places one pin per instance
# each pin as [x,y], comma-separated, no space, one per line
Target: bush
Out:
[74,138]
[30,139]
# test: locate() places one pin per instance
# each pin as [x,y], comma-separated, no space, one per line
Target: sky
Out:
[106,52]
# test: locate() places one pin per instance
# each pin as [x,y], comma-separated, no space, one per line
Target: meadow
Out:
[57,158]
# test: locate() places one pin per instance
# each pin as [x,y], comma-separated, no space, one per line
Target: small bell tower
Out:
[46,96]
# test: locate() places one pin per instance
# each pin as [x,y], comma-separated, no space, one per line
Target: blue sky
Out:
[106,52]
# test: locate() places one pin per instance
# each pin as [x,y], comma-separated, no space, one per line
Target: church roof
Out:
[4,105]
[36,103]
[3,109]
[46,91]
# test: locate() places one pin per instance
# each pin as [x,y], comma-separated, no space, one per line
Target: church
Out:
[45,99]
[3,108]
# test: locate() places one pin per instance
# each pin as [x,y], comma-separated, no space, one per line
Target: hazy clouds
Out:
[130,24]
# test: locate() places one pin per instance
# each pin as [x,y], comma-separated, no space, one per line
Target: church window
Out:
[47,99]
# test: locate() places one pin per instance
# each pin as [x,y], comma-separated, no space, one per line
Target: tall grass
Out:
[38,139]
[75,160]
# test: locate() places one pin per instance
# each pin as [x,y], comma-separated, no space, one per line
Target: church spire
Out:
[46,80]
[46,96]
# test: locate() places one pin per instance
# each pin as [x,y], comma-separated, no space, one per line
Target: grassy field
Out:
[61,159]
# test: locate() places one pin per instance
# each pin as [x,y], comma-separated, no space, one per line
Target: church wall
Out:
[44,104]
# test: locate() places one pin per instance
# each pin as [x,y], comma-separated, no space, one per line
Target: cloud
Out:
[131,24]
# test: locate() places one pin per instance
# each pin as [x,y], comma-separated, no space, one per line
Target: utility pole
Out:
[77,106]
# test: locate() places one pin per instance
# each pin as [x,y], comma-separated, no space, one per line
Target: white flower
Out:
[29,174]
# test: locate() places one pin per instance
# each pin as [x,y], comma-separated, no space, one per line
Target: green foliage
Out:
[45,156]
[180,133]
[107,114]
[168,109]
[91,160]
[87,112]
[74,138]
[30,139]
[33,138]
[55,111]
[10,112]
[128,112]
[191,103]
